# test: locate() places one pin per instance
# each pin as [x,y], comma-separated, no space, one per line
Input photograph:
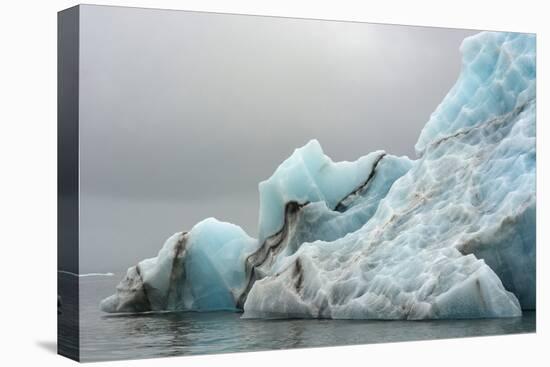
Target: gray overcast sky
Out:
[183,113]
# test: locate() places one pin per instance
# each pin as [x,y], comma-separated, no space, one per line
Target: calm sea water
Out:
[110,337]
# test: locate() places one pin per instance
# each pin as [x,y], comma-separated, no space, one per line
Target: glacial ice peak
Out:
[498,76]
[308,175]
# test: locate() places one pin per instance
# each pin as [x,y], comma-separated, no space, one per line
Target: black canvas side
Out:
[67,183]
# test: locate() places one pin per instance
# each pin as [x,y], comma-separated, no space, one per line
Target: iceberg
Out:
[214,265]
[195,270]
[450,234]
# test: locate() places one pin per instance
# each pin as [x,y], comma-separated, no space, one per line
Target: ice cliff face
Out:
[450,235]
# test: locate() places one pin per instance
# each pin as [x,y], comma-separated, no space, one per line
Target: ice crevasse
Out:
[448,235]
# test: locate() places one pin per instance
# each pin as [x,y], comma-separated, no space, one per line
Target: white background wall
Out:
[28,181]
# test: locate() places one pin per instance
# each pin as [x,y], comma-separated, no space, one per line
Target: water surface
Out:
[108,337]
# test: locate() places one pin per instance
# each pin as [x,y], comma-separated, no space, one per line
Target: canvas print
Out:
[234,183]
